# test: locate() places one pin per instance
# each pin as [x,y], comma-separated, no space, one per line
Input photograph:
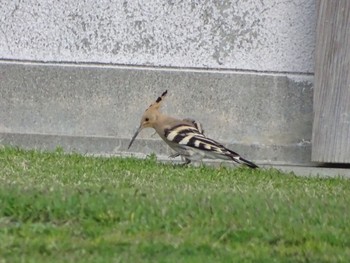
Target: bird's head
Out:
[149,118]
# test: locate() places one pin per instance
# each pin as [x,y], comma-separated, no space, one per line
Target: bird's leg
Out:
[187,161]
[174,155]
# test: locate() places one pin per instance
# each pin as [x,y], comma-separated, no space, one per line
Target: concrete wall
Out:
[266,35]
[87,70]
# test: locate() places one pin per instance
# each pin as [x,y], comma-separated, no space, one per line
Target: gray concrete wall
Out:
[85,72]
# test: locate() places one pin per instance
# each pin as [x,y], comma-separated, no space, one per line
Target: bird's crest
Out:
[156,105]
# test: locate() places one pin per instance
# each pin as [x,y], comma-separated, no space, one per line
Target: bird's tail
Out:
[238,159]
[248,163]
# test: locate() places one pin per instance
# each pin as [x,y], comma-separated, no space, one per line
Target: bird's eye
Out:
[146,119]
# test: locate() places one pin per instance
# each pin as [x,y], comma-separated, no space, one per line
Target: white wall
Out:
[264,35]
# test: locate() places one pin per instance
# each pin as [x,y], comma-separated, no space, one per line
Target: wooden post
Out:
[331,128]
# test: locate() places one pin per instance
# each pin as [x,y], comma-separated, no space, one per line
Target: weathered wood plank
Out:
[331,128]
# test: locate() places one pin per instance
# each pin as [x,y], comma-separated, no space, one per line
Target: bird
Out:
[185,136]
[199,127]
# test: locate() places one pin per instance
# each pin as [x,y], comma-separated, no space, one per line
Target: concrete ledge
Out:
[318,171]
[141,148]
[109,146]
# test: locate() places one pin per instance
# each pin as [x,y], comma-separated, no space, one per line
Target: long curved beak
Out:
[134,137]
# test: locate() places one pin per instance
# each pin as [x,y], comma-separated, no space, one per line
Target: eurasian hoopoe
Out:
[199,127]
[185,136]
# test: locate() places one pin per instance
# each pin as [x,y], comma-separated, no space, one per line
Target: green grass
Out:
[70,208]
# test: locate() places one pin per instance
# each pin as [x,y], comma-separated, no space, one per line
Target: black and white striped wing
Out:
[196,124]
[186,135]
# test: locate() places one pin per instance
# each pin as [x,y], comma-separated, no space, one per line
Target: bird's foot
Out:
[187,162]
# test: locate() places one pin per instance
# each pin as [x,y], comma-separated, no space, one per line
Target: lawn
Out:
[56,207]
